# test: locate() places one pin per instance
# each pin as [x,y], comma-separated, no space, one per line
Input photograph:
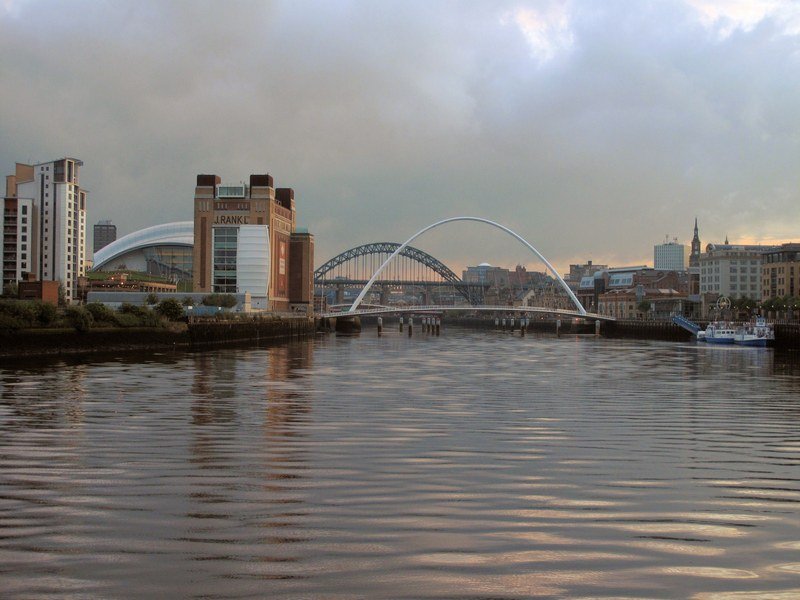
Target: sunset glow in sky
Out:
[593,129]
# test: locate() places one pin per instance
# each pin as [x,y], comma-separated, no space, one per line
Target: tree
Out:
[79,318]
[151,299]
[11,290]
[644,307]
[170,309]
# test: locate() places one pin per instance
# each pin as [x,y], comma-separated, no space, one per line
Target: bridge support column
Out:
[597,328]
[401,324]
[438,325]
[558,327]
[348,325]
[384,294]
[410,325]
[340,294]
[380,326]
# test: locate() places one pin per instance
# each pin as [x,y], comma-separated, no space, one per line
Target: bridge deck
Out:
[389,310]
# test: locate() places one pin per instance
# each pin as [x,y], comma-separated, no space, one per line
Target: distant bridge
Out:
[414,267]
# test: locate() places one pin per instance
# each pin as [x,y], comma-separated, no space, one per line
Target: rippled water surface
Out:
[472,465]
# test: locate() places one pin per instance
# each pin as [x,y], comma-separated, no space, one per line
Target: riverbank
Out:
[787,335]
[201,334]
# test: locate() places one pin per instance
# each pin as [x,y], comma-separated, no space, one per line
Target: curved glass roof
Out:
[179,233]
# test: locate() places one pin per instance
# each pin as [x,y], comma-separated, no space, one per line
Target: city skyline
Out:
[590,130]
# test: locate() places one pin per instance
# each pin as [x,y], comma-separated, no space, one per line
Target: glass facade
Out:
[173,262]
[225,241]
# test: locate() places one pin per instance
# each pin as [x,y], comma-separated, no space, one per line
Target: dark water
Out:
[473,465]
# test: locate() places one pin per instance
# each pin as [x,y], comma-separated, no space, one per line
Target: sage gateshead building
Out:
[164,250]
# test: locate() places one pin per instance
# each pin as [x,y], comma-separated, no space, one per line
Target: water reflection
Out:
[469,465]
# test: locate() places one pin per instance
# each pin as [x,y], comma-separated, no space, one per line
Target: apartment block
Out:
[44,224]
[780,272]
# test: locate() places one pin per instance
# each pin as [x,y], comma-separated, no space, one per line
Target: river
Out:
[471,465]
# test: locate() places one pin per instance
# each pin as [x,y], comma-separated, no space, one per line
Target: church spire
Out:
[694,257]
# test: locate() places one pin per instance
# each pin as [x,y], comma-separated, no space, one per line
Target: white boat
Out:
[756,334]
[718,332]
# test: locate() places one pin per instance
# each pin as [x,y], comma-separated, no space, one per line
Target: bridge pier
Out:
[348,325]
[401,324]
[384,294]
[410,325]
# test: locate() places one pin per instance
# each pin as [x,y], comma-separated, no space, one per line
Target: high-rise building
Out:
[44,224]
[105,232]
[669,256]
[694,257]
[243,236]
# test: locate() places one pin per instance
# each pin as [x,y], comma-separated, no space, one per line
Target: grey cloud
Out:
[385,116]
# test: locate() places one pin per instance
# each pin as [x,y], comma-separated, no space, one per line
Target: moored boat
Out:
[718,332]
[755,334]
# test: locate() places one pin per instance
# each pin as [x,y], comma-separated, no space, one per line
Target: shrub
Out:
[151,299]
[9,323]
[100,312]
[223,300]
[126,320]
[131,315]
[132,309]
[26,313]
[47,313]
[79,318]
[170,309]
[188,301]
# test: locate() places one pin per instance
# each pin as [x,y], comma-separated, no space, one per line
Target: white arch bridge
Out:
[354,310]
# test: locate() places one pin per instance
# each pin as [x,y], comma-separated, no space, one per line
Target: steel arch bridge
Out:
[324,274]
[388,248]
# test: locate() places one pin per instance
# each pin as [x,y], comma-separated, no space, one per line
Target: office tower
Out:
[105,232]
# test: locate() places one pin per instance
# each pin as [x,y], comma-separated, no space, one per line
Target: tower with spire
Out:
[694,257]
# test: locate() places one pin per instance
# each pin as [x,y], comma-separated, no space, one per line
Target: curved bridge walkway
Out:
[431,309]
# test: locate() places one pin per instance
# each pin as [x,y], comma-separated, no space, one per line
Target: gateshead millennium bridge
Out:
[394,265]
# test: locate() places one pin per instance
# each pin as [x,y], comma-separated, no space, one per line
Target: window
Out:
[224,261]
[24,209]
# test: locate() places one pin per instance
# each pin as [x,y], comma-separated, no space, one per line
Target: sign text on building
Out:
[231,220]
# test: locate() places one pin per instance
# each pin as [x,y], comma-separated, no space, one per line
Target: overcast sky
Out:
[591,128]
